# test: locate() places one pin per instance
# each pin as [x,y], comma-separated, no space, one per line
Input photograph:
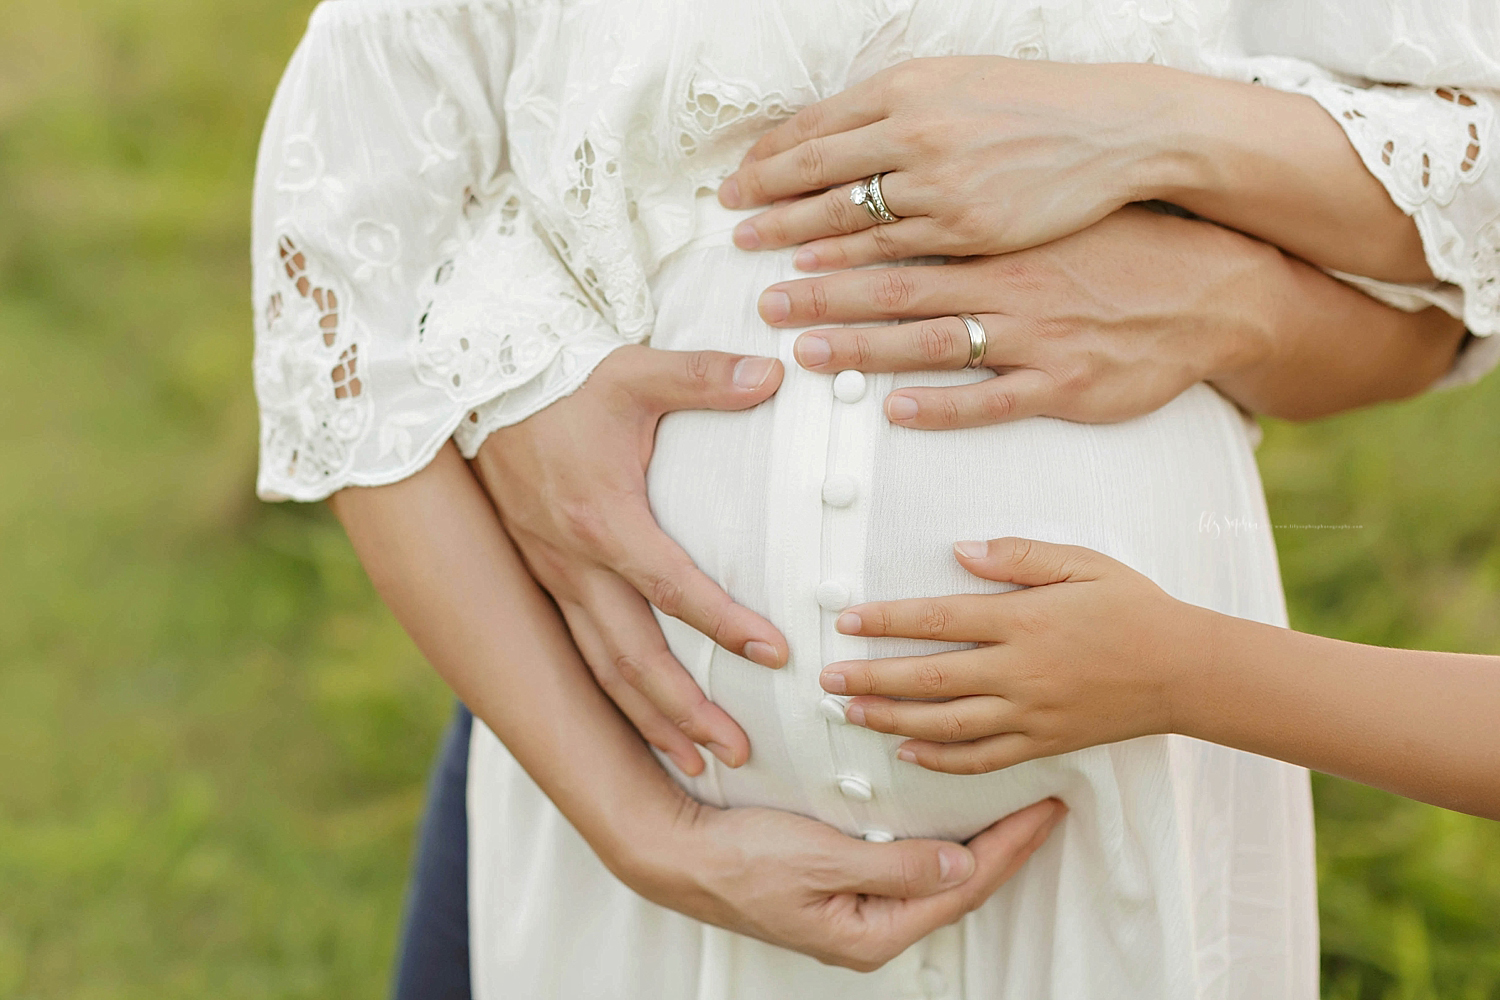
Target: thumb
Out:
[906,869]
[702,380]
[1028,562]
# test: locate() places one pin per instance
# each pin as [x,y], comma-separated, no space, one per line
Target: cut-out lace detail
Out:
[307,377]
[434,264]
[1431,147]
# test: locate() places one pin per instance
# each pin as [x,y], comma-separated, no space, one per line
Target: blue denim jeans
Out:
[433,953]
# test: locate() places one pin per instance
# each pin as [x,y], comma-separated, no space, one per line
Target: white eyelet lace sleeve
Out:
[1432,148]
[402,291]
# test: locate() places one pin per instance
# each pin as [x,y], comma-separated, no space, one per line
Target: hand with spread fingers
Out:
[569,483]
[1085,656]
[1112,323]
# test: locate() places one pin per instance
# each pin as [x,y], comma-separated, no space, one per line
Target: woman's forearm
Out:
[1333,348]
[435,550]
[1422,724]
[1278,166]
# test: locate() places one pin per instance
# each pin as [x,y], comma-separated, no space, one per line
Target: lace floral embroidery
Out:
[1427,146]
[307,372]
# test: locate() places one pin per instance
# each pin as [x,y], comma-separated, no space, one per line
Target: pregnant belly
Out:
[813,502]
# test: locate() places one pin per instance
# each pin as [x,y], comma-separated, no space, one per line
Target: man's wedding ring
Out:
[979,339]
[867,193]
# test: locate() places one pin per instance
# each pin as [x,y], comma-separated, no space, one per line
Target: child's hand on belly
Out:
[1089,653]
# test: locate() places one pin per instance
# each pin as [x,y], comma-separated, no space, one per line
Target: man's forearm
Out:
[1337,349]
[437,554]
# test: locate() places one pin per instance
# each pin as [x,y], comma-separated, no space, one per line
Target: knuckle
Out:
[817,300]
[930,679]
[811,163]
[836,215]
[699,366]
[1050,328]
[1021,273]
[808,122]
[910,876]
[945,410]
[861,350]
[936,342]
[753,184]
[951,728]
[893,291]
[970,763]
[934,618]
[885,243]
[664,592]
[716,623]
[997,405]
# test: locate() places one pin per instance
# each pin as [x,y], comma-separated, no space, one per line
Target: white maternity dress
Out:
[462,207]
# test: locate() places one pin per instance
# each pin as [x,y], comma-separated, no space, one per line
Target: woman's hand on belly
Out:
[988,155]
[569,483]
[799,884]
[1088,654]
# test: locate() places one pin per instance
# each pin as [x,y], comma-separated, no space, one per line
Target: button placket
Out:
[857,773]
[804,424]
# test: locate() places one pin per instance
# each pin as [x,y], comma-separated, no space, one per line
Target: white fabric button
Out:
[840,491]
[878,836]
[934,983]
[849,386]
[832,707]
[833,595]
[854,787]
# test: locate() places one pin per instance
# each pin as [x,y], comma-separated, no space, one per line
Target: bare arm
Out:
[1276,165]
[1093,652]
[437,554]
[1422,724]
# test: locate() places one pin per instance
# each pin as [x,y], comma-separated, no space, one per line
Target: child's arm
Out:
[1093,652]
[436,551]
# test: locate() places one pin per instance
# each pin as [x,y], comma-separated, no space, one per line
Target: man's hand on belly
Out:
[569,483]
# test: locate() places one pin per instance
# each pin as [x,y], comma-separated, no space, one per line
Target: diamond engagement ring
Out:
[867,193]
[979,339]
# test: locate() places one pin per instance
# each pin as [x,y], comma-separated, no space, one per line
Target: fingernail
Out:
[849,623]
[910,756]
[761,652]
[972,550]
[805,260]
[745,237]
[855,713]
[833,682]
[900,407]
[729,194]
[775,306]
[721,752]
[813,351]
[751,373]
[955,865]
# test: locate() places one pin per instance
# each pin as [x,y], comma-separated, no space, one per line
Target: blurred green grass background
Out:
[212,737]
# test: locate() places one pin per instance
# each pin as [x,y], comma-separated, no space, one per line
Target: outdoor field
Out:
[213,738]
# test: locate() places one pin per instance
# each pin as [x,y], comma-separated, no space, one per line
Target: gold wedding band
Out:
[979,339]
